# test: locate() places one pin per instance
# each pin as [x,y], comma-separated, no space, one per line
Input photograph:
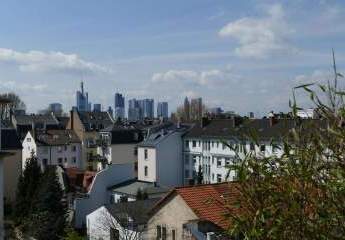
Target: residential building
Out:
[97,107]
[128,190]
[82,99]
[87,126]
[119,145]
[12,163]
[159,157]
[119,106]
[195,212]
[125,220]
[196,109]
[162,110]
[52,147]
[24,123]
[206,145]
[97,195]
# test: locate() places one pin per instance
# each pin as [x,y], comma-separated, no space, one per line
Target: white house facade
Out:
[53,147]
[206,150]
[160,158]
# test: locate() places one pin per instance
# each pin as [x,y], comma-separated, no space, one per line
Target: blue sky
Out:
[241,55]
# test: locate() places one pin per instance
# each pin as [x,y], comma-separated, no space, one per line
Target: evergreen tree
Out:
[27,187]
[200,176]
[48,218]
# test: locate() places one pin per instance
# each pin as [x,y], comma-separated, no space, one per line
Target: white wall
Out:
[149,162]
[164,161]
[99,223]
[52,153]
[207,151]
[98,195]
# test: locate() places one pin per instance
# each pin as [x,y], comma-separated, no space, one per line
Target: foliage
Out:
[299,194]
[73,235]
[16,103]
[27,187]
[48,217]
[200,176]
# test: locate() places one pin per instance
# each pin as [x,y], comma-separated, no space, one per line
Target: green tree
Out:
[16,103]
[301,193]
[27,187]
[48,218]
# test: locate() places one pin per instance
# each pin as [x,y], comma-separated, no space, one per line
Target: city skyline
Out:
[232,54]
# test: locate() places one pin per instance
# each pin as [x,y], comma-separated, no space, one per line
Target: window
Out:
[187,144]
[219,162]
[186,173]
[186,159]
[65,148]
[114,234]
[212,144]
[212,176]
[219,178]
[194,144]
[159,233]
[262,148]
[28,139]
[164,233]
[65,160]
[74,148]
[146,170]
[217,144]
[227,161]
[173,234]
[45,162]
[223,146]
[194,160]
[252,147]
[60,160]
[145,154]
[74,159]
[199,143]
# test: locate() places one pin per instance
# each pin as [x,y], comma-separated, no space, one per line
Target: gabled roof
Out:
[47,119]
[208,202]
[56,137]
[93,121]
[137,210]
[264,128]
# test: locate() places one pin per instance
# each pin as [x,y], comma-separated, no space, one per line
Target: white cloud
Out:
[38,61]
[200,78]
[317,76]
[259,37]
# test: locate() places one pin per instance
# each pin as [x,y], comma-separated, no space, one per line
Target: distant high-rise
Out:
[55,108]
[83,100]
[196,111]
[162,109]
[110,111]
[186,109]
[97,107]
[140,109]
[119,106]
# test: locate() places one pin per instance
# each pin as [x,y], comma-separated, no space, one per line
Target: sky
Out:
[239,55]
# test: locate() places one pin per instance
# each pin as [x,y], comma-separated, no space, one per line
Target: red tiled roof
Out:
[209,202]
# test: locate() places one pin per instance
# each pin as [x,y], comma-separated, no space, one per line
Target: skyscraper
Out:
[140,109]
[196,111]
[119,106]
[97,107]
[110,111]
[186,109]
[83,100]
[162,109]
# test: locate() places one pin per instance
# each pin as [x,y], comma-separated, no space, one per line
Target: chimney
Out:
[273,120]
[33,129]
[72,119]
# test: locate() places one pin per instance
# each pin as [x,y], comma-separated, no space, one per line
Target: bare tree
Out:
[124,221]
